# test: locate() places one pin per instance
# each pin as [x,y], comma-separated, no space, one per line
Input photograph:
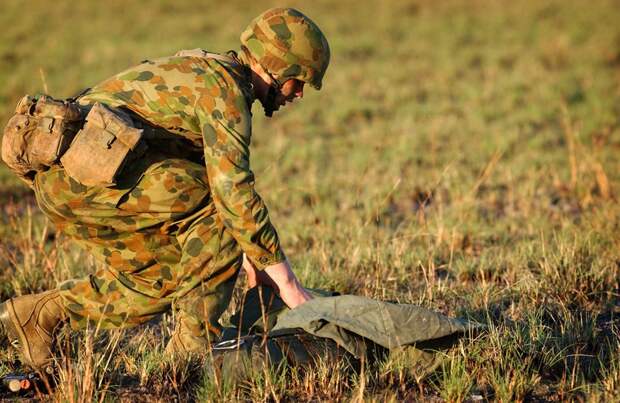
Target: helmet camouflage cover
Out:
[287,44]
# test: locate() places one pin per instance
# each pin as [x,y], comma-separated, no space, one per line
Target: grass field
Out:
[463,155]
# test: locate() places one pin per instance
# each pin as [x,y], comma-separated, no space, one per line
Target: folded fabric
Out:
[387,324]
[332,329]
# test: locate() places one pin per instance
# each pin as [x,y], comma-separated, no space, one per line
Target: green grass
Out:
[462,155]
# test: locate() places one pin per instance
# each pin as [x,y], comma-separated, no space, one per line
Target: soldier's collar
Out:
[243,67]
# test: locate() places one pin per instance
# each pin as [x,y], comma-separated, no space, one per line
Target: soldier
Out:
[174,229]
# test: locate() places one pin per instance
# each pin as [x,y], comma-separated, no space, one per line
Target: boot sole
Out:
[14,330]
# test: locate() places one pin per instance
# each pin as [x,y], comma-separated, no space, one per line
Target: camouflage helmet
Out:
[287,44]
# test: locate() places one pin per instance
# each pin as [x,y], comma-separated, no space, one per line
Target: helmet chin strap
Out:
[270,101]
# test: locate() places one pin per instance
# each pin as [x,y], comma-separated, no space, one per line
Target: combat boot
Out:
[29,322]
[189,338]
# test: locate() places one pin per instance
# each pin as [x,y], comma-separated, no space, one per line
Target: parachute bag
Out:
[106,143]
[38,134]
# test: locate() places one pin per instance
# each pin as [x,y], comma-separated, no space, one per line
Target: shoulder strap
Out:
[78,95]
[198,52]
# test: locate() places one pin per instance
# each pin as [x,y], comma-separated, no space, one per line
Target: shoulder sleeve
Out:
[226,129]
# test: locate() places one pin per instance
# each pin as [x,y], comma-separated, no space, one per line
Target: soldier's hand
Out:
[286,284]
[280,278]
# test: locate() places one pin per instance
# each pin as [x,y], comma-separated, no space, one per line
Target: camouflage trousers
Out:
[159,236]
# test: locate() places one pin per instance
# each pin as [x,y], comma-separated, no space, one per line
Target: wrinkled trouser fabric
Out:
[159,236]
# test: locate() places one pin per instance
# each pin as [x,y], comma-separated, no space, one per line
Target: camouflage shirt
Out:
[207,102]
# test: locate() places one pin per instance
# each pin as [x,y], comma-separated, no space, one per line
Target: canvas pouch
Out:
[108,141]
[38,134]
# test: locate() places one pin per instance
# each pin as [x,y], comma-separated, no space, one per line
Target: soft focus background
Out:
[463,155]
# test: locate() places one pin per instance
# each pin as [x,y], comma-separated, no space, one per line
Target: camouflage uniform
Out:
[171,229]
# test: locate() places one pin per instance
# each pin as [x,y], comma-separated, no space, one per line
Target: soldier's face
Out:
[266,93]
[290,90]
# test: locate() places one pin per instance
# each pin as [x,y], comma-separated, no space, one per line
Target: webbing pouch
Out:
[107,142]
[38,134]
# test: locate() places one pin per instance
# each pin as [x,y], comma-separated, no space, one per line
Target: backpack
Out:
[38,134]
[93,143]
